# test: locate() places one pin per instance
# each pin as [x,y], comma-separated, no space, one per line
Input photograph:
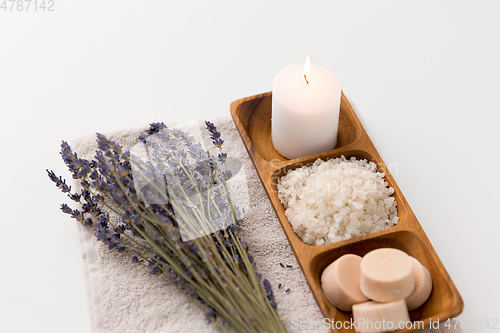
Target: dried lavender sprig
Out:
[117,198]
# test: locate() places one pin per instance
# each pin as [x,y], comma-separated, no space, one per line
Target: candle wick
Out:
[305,77]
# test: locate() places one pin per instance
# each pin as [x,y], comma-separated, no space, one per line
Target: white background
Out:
[424,77]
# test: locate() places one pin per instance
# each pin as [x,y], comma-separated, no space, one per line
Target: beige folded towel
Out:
[124,297]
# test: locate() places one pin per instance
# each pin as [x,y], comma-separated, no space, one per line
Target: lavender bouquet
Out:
[176,218]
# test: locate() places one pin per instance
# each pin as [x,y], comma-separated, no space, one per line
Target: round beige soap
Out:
[340,282]
[373,317]
[423,286]
[387,275]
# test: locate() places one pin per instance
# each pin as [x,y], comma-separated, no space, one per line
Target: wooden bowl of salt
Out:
[252,117]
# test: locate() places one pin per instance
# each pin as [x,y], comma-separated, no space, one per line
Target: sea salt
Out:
[337,199]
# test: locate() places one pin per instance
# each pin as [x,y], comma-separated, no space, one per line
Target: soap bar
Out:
[423,286]
[387,275]
[340,282]
[373,317]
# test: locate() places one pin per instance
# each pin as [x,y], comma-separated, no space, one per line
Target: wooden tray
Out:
[252,117]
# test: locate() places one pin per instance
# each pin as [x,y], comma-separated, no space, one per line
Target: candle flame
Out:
[307,69]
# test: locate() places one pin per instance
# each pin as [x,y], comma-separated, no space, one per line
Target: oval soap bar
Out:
[340,282]
[423,286]
[387,275]
[373,317]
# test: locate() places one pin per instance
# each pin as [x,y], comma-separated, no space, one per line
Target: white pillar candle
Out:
[305,110]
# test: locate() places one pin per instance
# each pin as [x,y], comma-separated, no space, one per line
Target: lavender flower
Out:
[153,128]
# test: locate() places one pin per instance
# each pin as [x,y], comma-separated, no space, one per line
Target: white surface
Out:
[422,74]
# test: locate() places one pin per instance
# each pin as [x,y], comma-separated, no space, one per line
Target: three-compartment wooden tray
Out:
[252,117]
